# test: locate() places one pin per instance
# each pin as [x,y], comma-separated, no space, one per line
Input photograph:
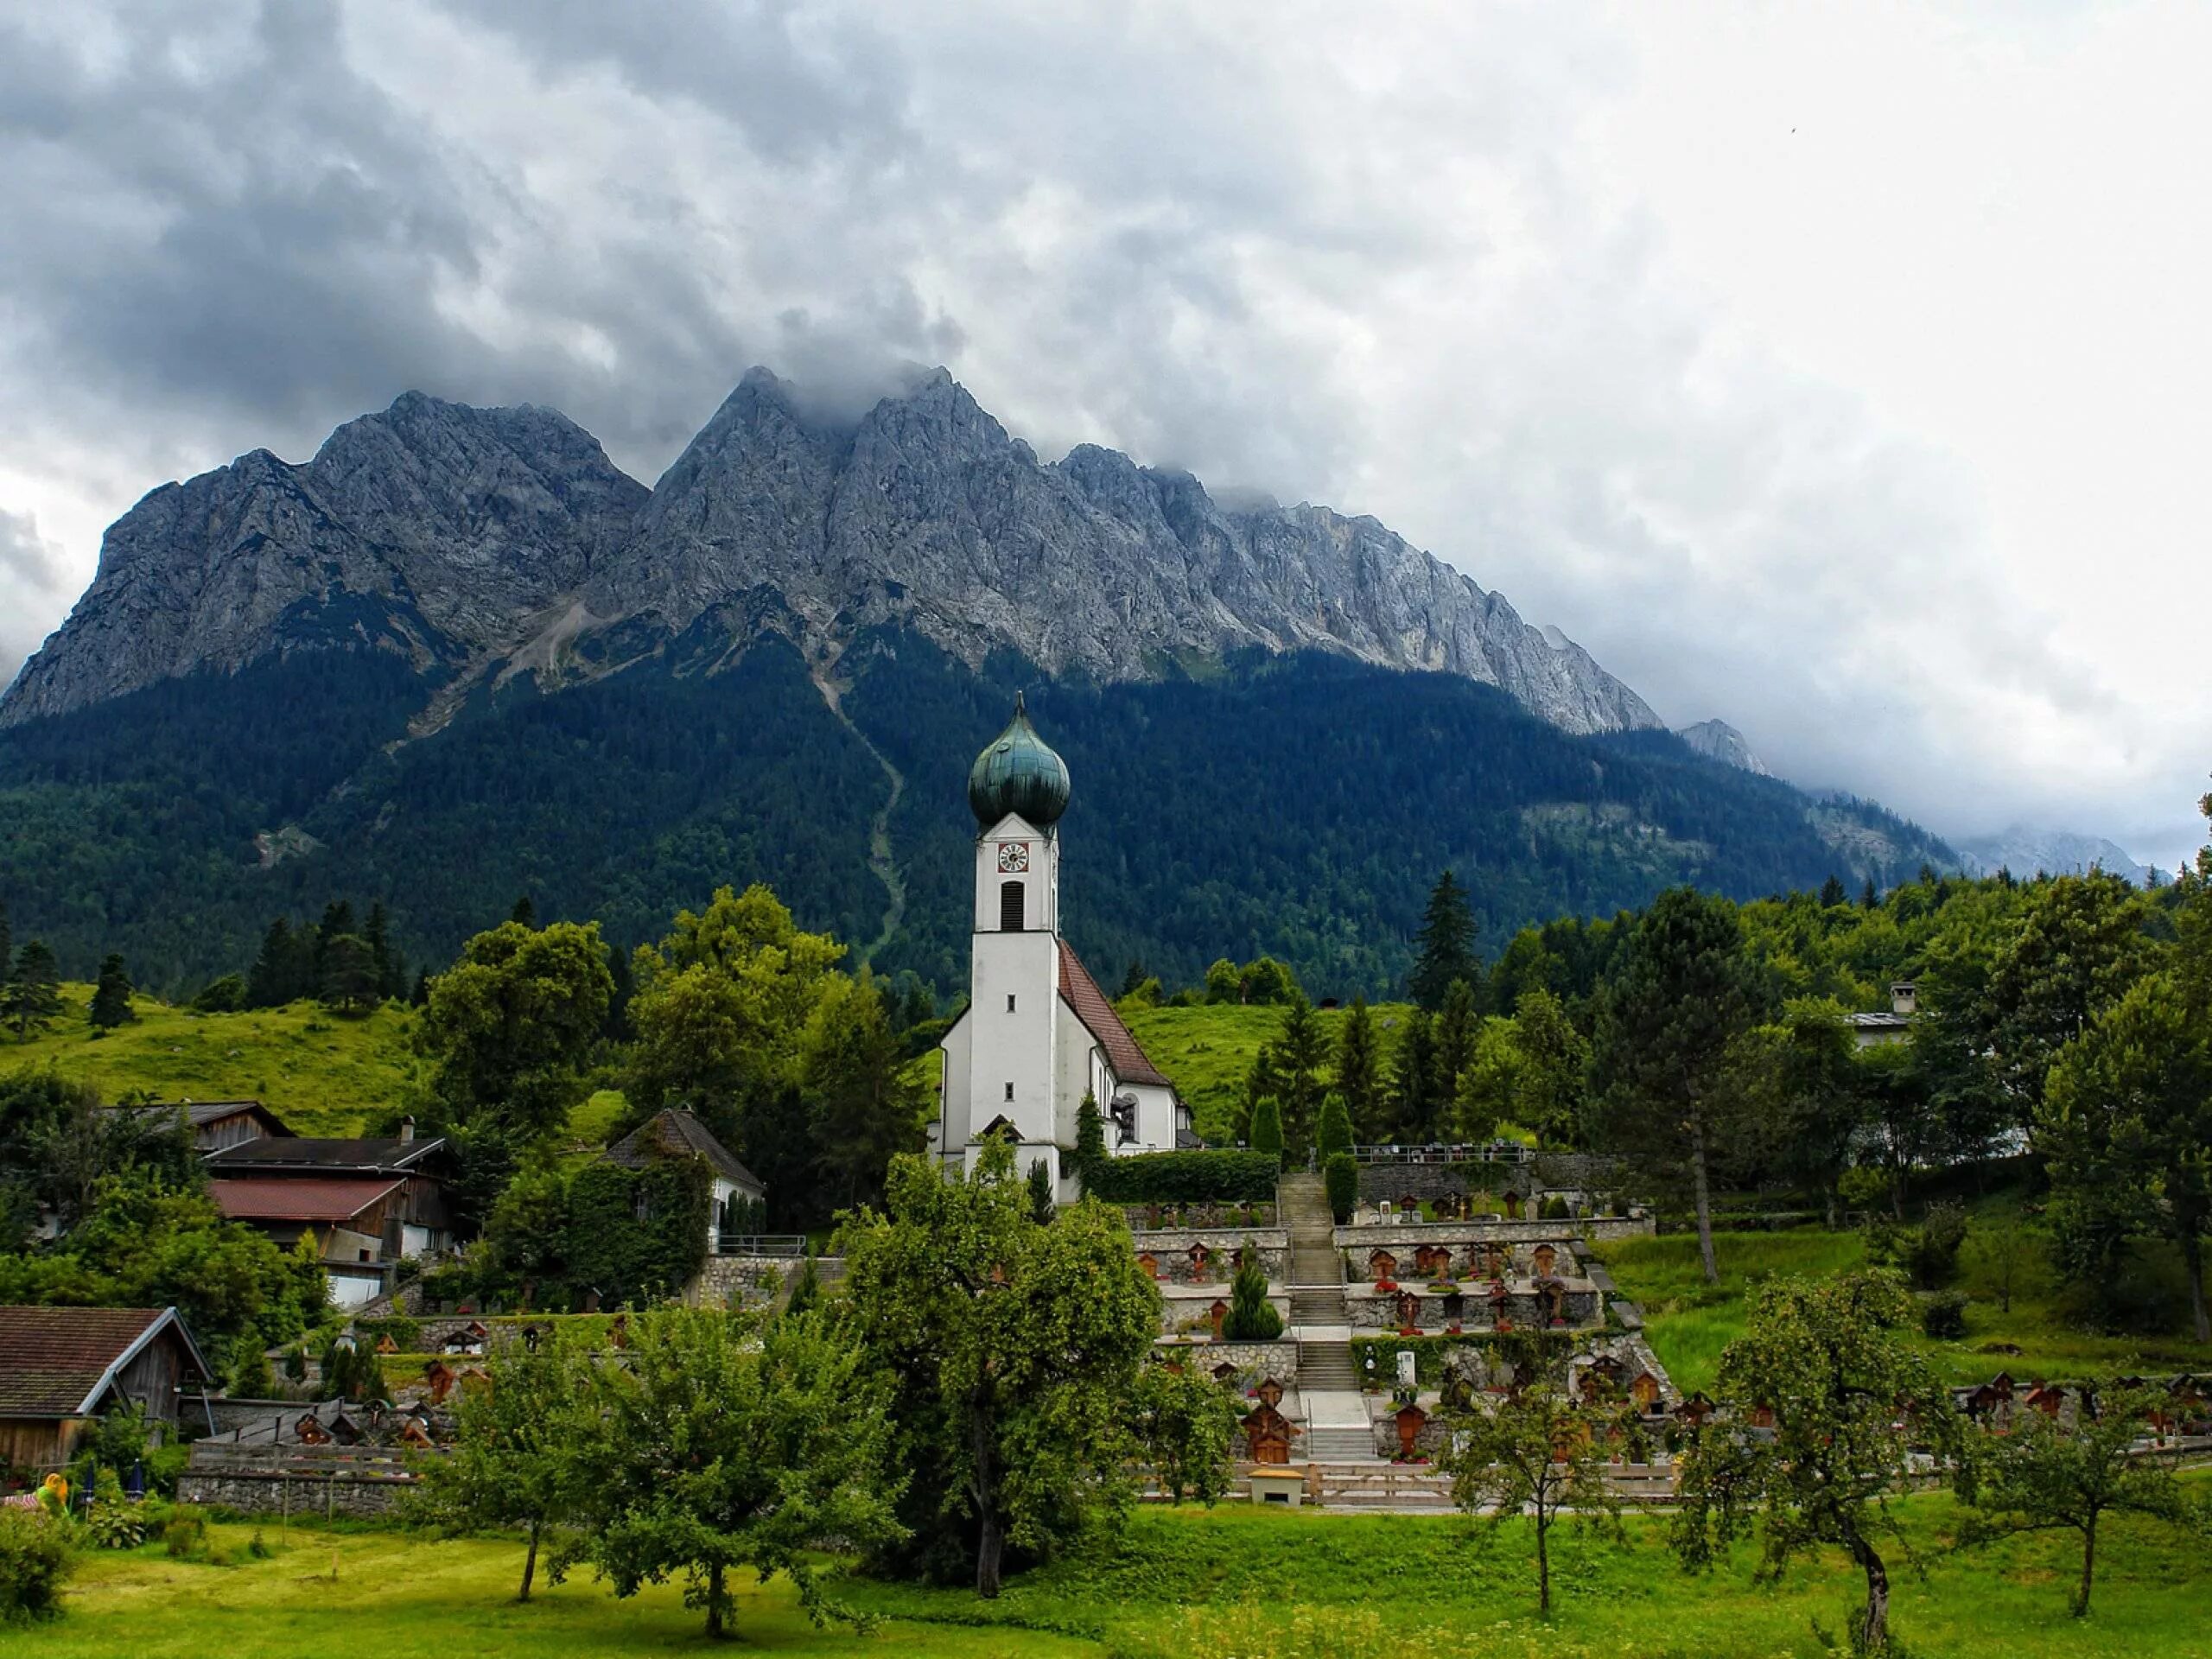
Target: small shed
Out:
[61,1368]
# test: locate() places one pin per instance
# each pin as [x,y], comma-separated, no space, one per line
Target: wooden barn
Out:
[61,1368]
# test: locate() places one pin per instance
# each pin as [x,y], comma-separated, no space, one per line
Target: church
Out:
[1039,1034]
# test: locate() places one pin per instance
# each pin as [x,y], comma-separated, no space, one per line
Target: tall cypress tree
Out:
[1447,943]
[1359,1073]
[111,995]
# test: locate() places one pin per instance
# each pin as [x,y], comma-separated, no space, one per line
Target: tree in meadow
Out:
[1414,1107]
[350,982]
[1183,1423]
[1445,948]
[1011,1351]
[1850,1399]
[1538,1454]
[111,995]
[1301,1051]
[1667,1022]
[724,1444]
[514,1458]
[32,993]
[2065,1473]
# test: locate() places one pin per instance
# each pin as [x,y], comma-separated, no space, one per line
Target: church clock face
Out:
[1013,857]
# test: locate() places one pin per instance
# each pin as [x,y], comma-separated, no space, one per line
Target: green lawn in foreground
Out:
[1689,1322]
[1207,1051]
[321,1073]
[1182,1584]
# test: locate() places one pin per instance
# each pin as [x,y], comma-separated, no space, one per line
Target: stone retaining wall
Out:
[740,1281]
[1373,1310]
[1171,1247]
[1186,1309]
[1255,1361]
[277,1492]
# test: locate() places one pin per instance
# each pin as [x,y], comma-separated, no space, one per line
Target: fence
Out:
[760,1244]
[1500,1152]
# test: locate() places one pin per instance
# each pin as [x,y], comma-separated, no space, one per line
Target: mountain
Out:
[497,538]
[458,654]
[2053,852]
[1717,740]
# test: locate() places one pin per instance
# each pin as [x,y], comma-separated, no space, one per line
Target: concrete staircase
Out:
[1317,1272]
[1328,1385]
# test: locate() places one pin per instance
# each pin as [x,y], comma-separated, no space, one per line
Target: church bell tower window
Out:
[1012,914]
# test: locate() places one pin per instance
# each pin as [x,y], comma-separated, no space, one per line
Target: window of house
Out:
[1011,917]
[1009,1091]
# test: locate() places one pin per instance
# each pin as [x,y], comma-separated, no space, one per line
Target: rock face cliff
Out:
[1717,740]
[472,539]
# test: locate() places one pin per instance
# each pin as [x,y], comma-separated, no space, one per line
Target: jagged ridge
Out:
[468,540]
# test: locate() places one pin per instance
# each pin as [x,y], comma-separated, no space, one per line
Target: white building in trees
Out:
[1038,1035]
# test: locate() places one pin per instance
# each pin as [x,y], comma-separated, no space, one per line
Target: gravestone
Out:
[1406,1368]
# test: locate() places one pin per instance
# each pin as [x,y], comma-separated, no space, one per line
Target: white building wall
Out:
[1011,1023]
[1012,841]
[1156,1117]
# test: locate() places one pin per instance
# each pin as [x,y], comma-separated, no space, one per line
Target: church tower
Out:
[1038,1034]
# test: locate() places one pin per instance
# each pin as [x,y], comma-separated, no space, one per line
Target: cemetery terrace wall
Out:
[1410,1235]
[746,1282]
[1170,1247]
[305,1481]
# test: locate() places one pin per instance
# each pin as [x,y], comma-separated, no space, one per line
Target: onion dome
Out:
[1018,772]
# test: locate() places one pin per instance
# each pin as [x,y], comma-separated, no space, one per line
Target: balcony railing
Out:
[760,1244]
[1494,1152]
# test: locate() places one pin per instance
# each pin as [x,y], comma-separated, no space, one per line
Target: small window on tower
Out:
[1009,1091]
[1009,1002]
[1010,907]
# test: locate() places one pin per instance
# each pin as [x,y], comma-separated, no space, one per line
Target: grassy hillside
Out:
[1205,1052]
[321,1074]
[1690,1322]
[1180,1584]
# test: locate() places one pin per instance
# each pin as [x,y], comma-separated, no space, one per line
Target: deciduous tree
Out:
[1849,1398]
[2053,1472]
[727,1443]
[1182,1422]
[1013,1350]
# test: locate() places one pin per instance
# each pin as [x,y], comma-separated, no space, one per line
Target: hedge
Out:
[1186,1177]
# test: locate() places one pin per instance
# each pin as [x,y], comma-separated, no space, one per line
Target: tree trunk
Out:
[529,1564]
[716,1595]
[1543,1566]
[990,1540]
[1874,1633]
[2089,1567]
[1704,1201]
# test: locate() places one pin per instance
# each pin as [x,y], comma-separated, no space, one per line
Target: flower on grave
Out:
[1386,1285]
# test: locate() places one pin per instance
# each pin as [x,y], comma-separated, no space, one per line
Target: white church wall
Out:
[1011,1072]
[1011,851]
[1156,1117]
[953,1127]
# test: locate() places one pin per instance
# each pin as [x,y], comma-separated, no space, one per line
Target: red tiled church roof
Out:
[1123,1052]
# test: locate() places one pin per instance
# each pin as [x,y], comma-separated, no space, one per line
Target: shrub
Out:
[35,1557]
[1252,1318]
[186,1531]
[1185,1177]
[1554,1208]
[1943,1315]
[1266,1130]
[1341,1173]
[113,1521]
[1931,1256]
[257,1546]
[1334,1135]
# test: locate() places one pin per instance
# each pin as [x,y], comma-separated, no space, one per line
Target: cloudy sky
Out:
[1839,371]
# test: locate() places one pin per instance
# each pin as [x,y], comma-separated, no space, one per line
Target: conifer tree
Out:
[1089,1140]
[1447,943]
[1301,1049]
[1252,1317]
[1868,898]
[349,983]
[1666,1021]
[1135,977]
[6,938]
[1412,1101]
[1334,1135]
[1359,1072]
[33,994]
[1457,1026]
[112,996]
[1832,893]
[1041,1207]
[390,971]
[1267,1128]
[525,911]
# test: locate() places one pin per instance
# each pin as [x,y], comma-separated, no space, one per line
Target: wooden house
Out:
[62,1368]
[369,1202]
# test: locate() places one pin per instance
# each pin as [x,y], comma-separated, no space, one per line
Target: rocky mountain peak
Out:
[1718,740]
[486,533]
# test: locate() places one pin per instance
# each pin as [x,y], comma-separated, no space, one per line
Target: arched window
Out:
[1011,914]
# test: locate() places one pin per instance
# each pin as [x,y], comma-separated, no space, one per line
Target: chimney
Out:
[1905,997]
[406,1128]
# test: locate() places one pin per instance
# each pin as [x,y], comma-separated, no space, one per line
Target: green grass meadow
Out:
[322,1073]
[1690,1322]
[1232,1583]
[1209,1049]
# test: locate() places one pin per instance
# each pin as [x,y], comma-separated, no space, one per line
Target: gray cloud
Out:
[1386,263]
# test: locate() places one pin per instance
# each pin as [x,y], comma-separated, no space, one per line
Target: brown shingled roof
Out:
[675,1133]
[55,1362]
[1123,1052]
[298,1198]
